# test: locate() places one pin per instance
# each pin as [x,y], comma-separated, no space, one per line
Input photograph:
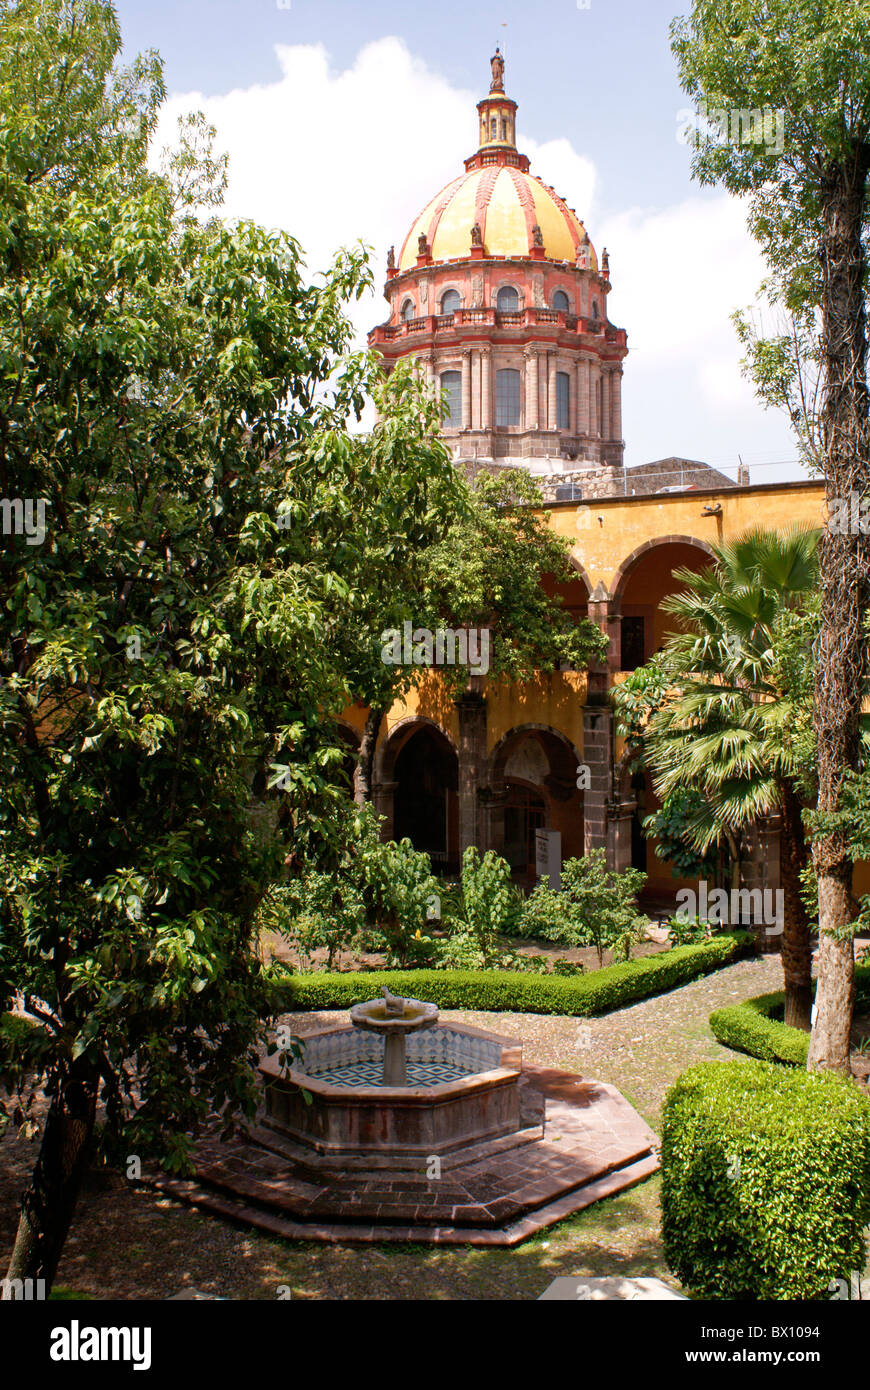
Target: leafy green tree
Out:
[808,61]
[727,727]
[489,548]
[595,906]
[485,910]
[175,390]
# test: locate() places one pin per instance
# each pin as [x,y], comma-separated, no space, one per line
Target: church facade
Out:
[500,296]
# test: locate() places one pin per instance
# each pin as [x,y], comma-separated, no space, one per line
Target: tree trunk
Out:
[797,956]
[50,1200]
[843,563]
[362,777]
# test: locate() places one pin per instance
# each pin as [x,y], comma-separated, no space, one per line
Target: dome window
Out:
[451,386]
[507,300]
[450,301]
[408,310]
[561,302]
[508,398]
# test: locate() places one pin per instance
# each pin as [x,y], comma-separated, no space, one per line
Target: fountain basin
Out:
[463,1085]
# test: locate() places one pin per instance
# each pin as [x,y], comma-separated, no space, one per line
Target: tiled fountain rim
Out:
[510,1065]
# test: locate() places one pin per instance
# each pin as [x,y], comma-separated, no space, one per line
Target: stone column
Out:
[619,821]
[471,708]
[466,388]
[597,755]
[605,404]
[383,800]
[485,389]
[616,404]
[551,392]
[582,392]
[491,811]
[531,357]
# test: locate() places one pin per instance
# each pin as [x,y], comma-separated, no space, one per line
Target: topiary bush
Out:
[756,1026]
[753,1027]
[502,991]
[765,1181]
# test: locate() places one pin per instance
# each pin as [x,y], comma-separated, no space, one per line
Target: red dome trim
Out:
[526,201]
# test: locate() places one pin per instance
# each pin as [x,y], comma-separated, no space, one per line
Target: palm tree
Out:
[736,722]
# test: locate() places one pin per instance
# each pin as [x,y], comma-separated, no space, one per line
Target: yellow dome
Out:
[508,204]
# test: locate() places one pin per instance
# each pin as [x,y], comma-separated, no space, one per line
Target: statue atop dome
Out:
[497,62]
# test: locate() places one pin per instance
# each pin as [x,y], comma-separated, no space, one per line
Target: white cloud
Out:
[334,157]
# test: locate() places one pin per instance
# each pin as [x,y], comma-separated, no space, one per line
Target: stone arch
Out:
[623,574]
[532,784]
[390,747]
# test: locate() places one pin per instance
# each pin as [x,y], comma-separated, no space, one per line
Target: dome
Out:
[508,204]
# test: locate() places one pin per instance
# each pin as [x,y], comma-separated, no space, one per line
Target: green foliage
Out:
[672,825]
[176,388]
[485,572]
[765,1181]
[756,1026]
[595,906]
[502,991]
[688,931]
[485,911]
[398,884]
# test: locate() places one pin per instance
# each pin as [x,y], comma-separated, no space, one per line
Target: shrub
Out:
[756,1026]
[595,906]
[485,909]
[765,1181]
[502,991]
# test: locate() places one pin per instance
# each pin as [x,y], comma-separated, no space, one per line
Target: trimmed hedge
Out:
[765,1181]
[512,991]
[756,1026]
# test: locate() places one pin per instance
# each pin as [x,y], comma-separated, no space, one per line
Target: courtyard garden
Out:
[254,1041]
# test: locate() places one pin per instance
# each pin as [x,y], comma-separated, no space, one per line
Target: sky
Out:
[342,120]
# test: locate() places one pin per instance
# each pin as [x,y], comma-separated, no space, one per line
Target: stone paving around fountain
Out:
[498,1192]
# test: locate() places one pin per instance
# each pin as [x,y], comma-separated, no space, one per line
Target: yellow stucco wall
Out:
[602,547]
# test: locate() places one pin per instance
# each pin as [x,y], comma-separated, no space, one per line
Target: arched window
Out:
[507,300]
[451,385]
[563,401]
[494,127]
[408,310]
[508,398]
[504,130]
[561,302]
[595,308]
[449,301]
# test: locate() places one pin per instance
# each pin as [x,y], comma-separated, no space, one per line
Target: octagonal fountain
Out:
[396,1081]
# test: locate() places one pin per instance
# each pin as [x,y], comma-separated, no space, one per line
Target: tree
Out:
[174,389]
[482,570]
[727,726]
[809,61]
[595,906]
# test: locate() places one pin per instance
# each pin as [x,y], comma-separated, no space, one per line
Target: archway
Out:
[640,584]
[423,770]
[533,774]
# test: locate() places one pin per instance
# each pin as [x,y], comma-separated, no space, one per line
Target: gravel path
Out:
[127,1243]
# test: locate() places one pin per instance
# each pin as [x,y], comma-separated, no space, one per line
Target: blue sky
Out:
[341,120]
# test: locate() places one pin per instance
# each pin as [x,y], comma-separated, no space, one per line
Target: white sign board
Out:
[548,856]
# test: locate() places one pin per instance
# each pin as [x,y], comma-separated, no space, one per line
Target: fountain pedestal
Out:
[394,1018]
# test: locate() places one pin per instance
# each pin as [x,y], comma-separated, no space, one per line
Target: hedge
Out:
[512,991]
[765,1181]
[756,1026]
